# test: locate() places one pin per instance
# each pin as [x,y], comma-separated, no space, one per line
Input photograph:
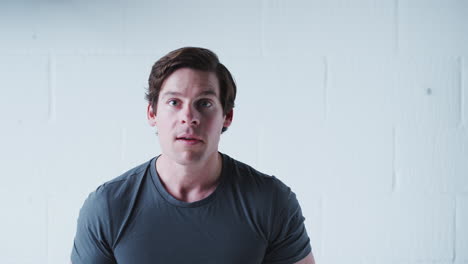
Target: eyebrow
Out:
[204,93]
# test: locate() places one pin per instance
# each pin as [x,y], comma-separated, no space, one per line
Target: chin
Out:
[188,157]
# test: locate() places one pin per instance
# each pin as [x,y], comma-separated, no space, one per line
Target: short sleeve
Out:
[289,241]
[92,239]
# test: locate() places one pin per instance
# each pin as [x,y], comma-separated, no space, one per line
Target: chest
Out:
[167,234]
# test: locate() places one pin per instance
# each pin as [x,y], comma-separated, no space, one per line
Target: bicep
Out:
[289,240]
[309,259]
[92,238]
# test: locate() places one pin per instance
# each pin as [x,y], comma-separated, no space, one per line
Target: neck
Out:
[189,182]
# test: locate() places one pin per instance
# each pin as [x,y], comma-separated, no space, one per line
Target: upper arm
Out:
[92,240]
[288,240]
[309,259]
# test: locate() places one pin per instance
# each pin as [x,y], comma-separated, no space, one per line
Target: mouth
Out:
[191,140]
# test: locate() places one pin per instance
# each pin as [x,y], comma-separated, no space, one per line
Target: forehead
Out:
[188,81]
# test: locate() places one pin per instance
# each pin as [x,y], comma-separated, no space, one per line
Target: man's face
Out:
[189,116]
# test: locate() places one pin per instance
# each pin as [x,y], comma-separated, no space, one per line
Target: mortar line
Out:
[123,25]
[462,93]
[322,223]
[123,143]
[47,228]
[51,114]
[454,249]
[259,144]
[321,207]
[262,25]
[397,29]
[325,86]
[394,176]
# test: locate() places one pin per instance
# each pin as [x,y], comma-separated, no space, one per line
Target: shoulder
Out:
[106,207]
[108,200]
[265,193]
[101,215]
[269,201]
[119,187]
[255,181]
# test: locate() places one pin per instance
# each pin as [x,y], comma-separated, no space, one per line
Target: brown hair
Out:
[197,59]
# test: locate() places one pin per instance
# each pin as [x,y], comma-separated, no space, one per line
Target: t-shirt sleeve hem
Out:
[295,259]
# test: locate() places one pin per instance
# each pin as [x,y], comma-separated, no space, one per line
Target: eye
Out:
[173,102]
[205,103]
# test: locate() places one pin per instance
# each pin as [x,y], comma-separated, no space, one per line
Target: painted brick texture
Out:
[359,106]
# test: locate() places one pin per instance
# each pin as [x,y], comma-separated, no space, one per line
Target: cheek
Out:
[163,125]
[217,123]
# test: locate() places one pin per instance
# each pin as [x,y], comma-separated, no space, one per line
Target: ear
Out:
[151,116]
[228,118]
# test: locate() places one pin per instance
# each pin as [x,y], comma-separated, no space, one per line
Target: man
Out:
[191,204]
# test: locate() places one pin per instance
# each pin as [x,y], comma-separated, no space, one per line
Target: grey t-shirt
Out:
[250,218]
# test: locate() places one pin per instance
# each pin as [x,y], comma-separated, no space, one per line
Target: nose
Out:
[190,116]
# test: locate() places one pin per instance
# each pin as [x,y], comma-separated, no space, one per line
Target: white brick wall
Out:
[360,106]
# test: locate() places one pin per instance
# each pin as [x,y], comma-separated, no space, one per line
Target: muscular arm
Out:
[309,259]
